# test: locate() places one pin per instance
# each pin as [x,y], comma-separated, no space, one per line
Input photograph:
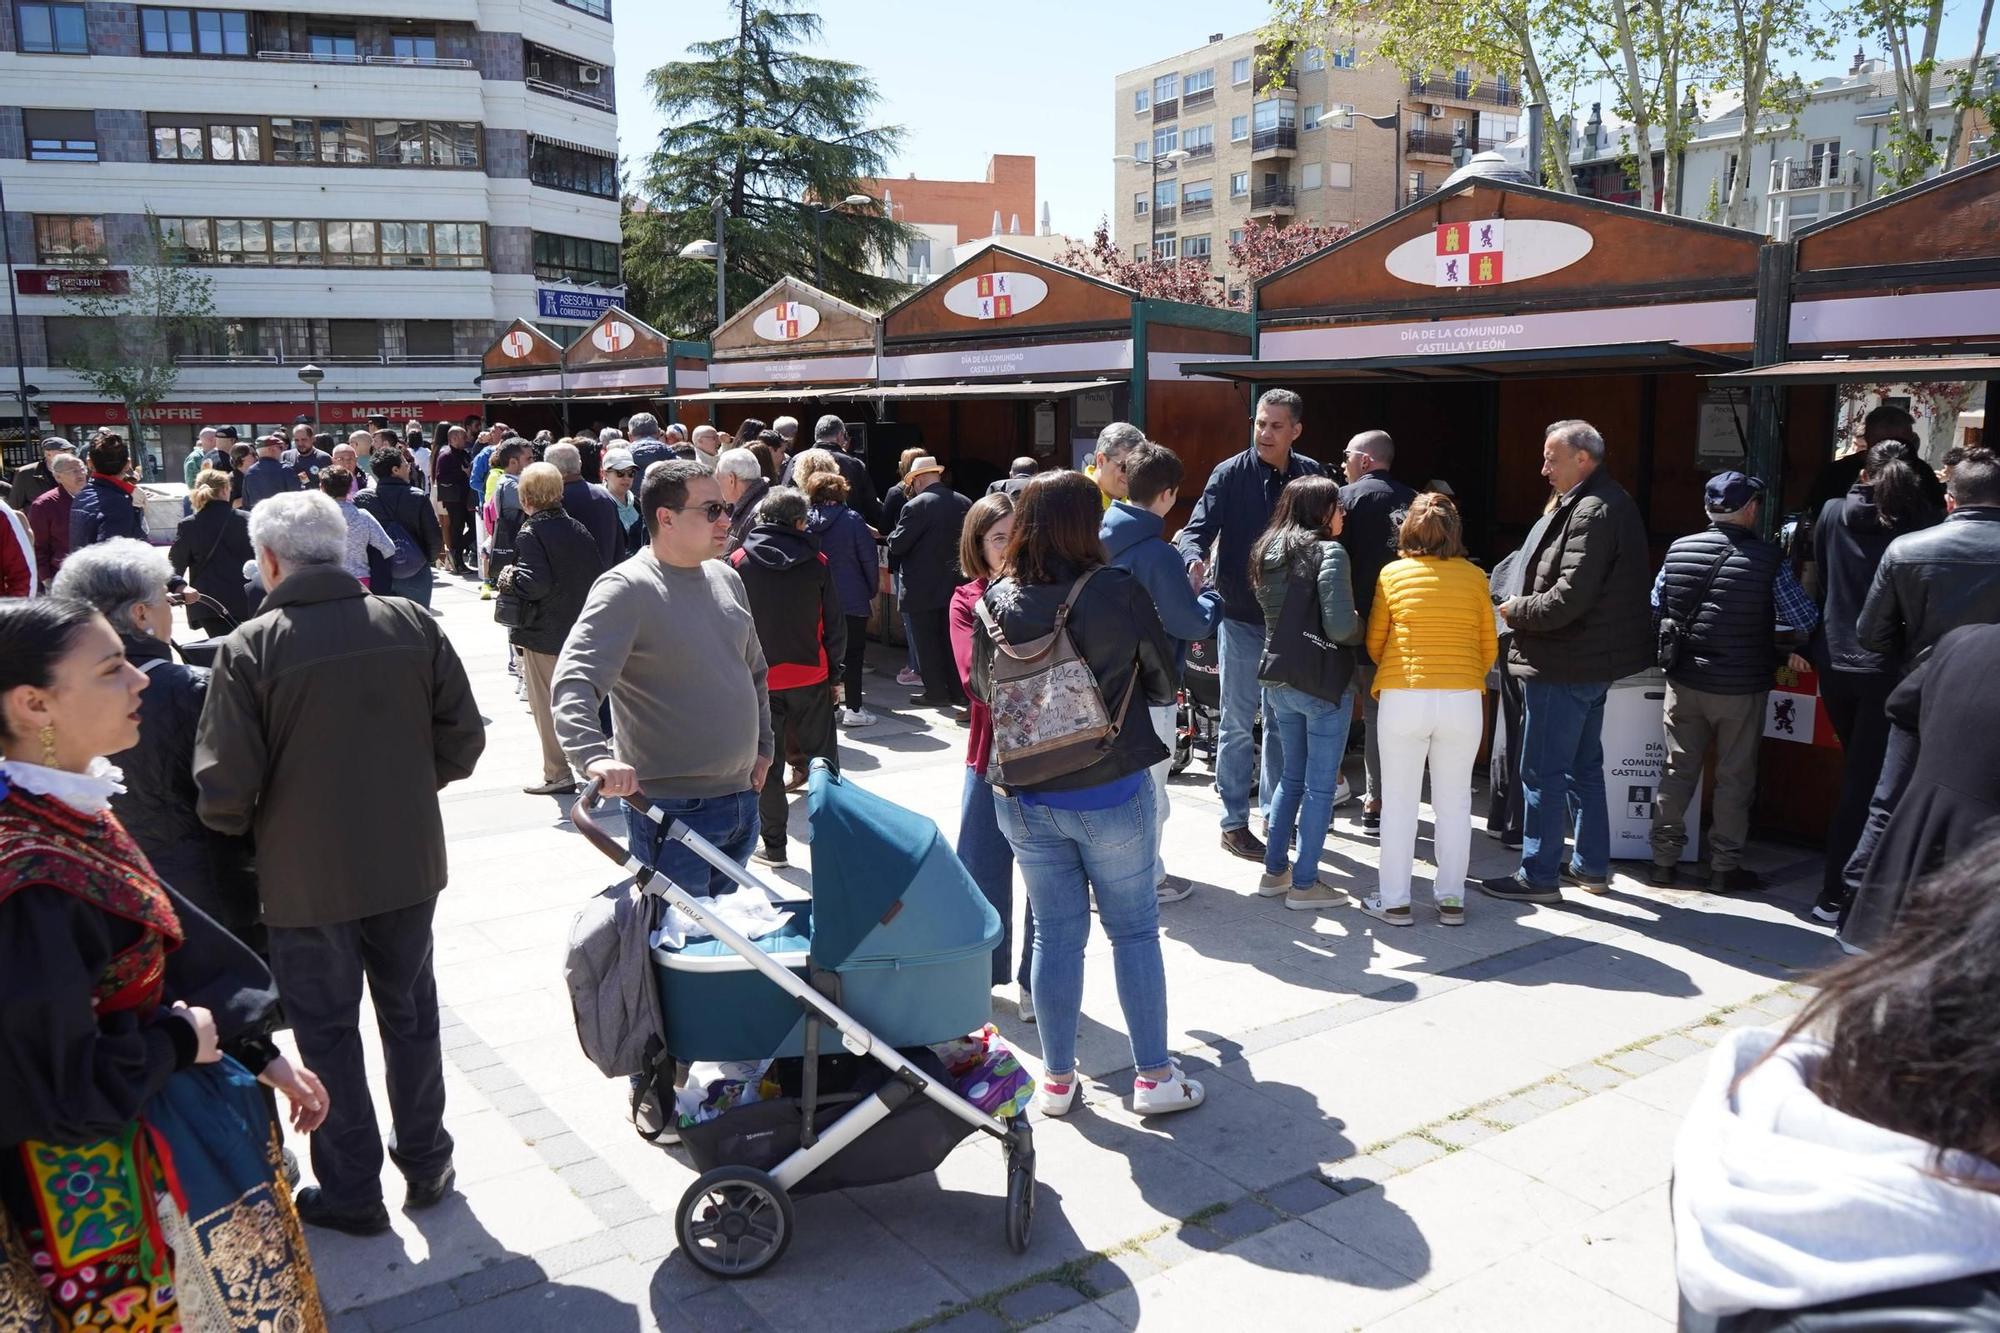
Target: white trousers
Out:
[1441,728]
[1167,727]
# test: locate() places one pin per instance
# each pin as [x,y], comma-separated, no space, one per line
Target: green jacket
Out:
[1328,564]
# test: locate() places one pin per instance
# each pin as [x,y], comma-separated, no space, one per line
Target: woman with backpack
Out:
[1068,654]
[556,559]
[1298,560]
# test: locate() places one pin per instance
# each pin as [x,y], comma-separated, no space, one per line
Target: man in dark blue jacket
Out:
[1134,535]
[588,503]
[106,506]
[1234,509]
[268,476]
[1374,503]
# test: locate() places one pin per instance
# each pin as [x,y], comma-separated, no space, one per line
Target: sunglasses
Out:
[622,471]
[714,511]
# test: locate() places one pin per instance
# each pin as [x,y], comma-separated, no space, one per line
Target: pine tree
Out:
[770,131]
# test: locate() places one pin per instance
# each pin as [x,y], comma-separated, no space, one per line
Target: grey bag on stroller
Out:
[612,992]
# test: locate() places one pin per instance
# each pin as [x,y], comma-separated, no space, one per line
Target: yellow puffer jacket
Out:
[1431,627]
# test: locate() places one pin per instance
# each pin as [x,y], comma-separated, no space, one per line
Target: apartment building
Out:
[1207,140]
[375,187]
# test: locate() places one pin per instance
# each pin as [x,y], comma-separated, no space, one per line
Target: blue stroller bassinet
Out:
[890,950]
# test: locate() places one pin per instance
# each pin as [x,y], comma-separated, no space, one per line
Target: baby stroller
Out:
[1198,711]
[889,954]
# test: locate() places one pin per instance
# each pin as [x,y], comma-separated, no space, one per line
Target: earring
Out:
[48,739]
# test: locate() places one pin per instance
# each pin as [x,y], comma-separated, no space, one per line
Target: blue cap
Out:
[1728,492]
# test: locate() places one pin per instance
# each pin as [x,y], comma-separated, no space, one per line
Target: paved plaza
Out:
[1406,1129]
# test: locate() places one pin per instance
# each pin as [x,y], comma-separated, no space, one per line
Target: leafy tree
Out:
[1909,28]
[1966,97]
[1758,37]
[1264,249]
[127,348]
[754,122]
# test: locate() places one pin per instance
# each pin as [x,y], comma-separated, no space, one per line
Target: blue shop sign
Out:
[559,303]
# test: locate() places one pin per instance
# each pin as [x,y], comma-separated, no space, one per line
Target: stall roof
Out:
[1870,370]
[1524,363]
[793,317]
[775,392]
[1031,389]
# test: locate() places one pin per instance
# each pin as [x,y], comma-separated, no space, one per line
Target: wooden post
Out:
[1776,263]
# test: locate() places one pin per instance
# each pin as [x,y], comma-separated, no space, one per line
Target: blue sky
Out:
[1038,83]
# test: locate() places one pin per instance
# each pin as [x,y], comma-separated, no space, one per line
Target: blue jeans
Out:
[730,822]
[1065,857]
[417,587]
[1562,761]
[1314,734]
[1241,646]
[990,861]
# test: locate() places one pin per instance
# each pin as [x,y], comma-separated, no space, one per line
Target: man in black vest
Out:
[1726,589]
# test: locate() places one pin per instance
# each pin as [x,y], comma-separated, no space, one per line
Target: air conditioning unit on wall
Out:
[1437,113]
[590,75]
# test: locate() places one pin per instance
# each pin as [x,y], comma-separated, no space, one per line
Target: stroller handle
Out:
[583,814]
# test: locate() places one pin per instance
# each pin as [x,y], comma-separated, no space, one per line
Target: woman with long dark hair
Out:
[1087,833]
[1845,1174]
[1300,546]
[138,1188]
[1893,497]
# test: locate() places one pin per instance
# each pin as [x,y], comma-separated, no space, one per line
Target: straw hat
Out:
[923,464]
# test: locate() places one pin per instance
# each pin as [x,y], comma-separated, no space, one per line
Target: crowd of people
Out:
[154,810]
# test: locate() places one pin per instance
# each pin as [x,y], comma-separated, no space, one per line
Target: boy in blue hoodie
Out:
[1134,535]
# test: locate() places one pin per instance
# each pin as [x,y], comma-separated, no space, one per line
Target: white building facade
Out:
[375,187]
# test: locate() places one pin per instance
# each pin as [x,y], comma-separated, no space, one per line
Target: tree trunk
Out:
[1635,103]
[1968,81]
[1555,147]
[1755,56]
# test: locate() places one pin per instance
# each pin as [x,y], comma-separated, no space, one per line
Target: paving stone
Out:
[458,1038]
[1594,1077]
[718,1310]
[469,1058]
[498,1279]
[1552,1096]
[1357,1174]
[1742,1017]
[1511,1112]
[603,1247]
[1182,1244]
[590,1177]
[493,1078]
[1246,1217]
[647,1238]
[619,1206]
[537,1125]
[516,1100]
[349,1321]
[412,1307]
[1636,1062]
[1116,1272]
[1673,1046]
[1408,1153]
[1040,1301]
[1461,1133]
[564,1149]
[1299,1195]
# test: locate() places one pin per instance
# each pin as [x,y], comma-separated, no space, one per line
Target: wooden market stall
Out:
[617,366]
[521,379]
[1008,355]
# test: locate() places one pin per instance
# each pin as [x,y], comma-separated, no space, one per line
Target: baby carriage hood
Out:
[886,886]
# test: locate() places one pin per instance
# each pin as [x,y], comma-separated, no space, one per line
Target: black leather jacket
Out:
[555,562]
[1965,1305]
[1118,632]
[1931,582]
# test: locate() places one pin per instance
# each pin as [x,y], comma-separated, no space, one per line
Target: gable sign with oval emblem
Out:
[613,335]
[1488,252]
[996,295]
[787,321]
[516,345]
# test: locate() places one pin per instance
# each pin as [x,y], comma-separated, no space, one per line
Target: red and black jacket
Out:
[794,604]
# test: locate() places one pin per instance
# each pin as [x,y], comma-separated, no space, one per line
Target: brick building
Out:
[948,213]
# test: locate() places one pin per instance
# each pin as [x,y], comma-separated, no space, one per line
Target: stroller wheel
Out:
[1183,754]
[1020,1192]
[734,1221]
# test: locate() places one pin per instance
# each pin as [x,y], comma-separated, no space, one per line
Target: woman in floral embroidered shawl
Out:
[138,1184]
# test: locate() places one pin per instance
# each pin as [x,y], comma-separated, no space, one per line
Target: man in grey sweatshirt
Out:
[667,635]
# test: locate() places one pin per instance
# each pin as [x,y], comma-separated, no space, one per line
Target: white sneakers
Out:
[1175,1092]
[857,717]
[1054,1097]
[1343,793]
[1024,1004]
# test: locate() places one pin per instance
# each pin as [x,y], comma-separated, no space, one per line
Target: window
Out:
[60,136]
[414,47]
[1461,81]
[1237,299]
[917,257]
[1820,149]
[1309,116]
[1729,176]
[1502,87]
[1198,81]
[51,29]
[309,242]
[401,143]
[1163,195]
[563,168]
[1141,201]
[1166,140]
[1167,247]
[344,142]
[1236,235]
[1343,58]
[1315,59]
[1339,116]
[455,143]
[1340,175]
[1199,139]
[427,337]
[1309,176]
[1196,247]
[1274,114]
[1198,194]
[328,44]
[1239,128]
[69,238]
[1166,88]
[572,259]
[1139,250]
[1239,184]
[595,8]
[183,32]
[235,143]
[1239,71]
[1142,101]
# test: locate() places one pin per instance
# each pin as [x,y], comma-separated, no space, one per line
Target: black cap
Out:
[1728,492]
[226,432]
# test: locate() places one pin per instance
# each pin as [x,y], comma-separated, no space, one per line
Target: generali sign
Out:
[72,281]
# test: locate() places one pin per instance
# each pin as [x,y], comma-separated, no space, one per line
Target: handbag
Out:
[1671,634]
[1299,654]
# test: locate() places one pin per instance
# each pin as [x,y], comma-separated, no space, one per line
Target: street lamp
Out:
[1176,157]
[1393,121]
[716,252]
[312,375]
[819,232]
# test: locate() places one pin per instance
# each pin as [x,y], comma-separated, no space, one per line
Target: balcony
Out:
[1820,173]
[1199,151]
[335,58]
[1163,216]
[1166,110]
[1465,90]
[1272,199]
[1197,208]
[1283,139]
[569,94]
[1202,97]
[1415,192]
[197,360]
[1429,142]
